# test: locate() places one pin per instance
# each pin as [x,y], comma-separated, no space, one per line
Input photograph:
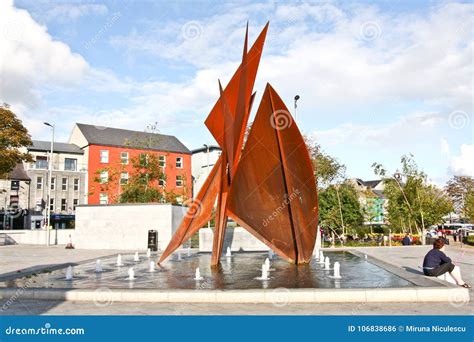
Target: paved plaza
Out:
[407,259]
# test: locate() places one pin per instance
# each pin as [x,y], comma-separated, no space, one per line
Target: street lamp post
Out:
[50,175]
[297,97]
[207,149]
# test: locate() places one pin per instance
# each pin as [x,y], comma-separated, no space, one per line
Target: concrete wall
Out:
[35,237]
[238,239]
[125,226]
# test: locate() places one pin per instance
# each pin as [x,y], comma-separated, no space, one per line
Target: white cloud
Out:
[405,131]
[326,52]
[30,57]
[463,164]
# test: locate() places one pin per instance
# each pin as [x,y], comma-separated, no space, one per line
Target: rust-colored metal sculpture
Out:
[268,187]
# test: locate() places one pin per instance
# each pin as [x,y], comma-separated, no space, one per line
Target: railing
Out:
[43,165]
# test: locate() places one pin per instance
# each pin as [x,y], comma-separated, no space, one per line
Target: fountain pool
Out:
[240,273]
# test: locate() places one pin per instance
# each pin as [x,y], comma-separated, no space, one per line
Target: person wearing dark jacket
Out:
[437,263]
[406,240]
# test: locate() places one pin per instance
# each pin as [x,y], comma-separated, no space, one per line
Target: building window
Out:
[179,162]
[104,177]
[64,184]
[51,204]
[143,159]
[161,182]
[104,156]
[104,198]
[124,158]
[162,161]
[41,162]
[179,181]
[75,202]
[53,183]
[63,204]
[76,184]
[124,178]
[70,164]
[39,182]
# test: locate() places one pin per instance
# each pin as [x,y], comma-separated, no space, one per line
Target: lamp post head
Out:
[297,97]
[48,124]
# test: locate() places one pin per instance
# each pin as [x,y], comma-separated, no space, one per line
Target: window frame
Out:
[76,184]
[64,186]
[64,204]
[74,163]
[123,178]
[104,179]
[179,178]
[106,156]
[122,158]
[101,196]
[39,184]
[162,156]
[181,162]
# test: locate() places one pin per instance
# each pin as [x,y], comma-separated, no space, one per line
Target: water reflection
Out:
[238,272]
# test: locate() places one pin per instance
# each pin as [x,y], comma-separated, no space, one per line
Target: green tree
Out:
[336,198]
[13,137]
[143,183]
[413,204]
[461,189]
[327,169]
[469,205]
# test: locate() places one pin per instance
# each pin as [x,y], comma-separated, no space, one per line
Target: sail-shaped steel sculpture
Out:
[268,187]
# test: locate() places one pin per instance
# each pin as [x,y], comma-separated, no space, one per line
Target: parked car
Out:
[450,228]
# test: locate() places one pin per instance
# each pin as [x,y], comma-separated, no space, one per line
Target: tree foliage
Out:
[327,169]
[13,136]
[143,183]
[461,191]
[413,204]
[329,209]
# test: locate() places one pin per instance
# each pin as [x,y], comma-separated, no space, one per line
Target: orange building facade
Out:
[110,154]
[116,162]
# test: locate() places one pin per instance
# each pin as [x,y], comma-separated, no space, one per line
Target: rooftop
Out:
[18,173]
[58,147]
[107,136]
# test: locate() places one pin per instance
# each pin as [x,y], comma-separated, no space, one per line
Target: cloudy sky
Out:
[376,79]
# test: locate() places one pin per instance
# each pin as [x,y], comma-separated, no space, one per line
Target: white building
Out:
[68,188]
[202,162]
[14,197]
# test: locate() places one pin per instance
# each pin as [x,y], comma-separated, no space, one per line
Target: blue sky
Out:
[376,79]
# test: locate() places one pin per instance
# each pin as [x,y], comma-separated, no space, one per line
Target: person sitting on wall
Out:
[436,263]
[406,240]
